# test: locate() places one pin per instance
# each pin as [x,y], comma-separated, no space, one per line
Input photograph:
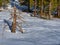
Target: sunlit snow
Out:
[37,31]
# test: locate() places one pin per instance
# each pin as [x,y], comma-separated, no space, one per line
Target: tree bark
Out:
[29,5]
[58,8]
[14,21]
[50,7]
[41,13]
[35,7]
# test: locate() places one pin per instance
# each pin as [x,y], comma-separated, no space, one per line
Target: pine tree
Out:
[0,3]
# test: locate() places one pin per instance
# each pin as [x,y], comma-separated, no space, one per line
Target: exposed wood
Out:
[14,21]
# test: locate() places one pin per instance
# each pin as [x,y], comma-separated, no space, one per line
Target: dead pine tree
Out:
[14,21]
[16,24]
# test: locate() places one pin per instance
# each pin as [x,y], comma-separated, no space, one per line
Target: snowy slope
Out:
[38,31]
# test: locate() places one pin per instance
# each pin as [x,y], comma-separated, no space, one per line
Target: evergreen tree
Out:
[0,3]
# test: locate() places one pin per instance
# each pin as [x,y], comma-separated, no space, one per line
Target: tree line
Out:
[45,6]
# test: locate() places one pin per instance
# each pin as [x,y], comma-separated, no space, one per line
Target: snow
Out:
[37,31]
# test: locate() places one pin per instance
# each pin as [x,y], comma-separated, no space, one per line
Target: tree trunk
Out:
[59,11]
[58,7]
[29,5]
[50,7]
[14,22]
[35,7]
[41,8]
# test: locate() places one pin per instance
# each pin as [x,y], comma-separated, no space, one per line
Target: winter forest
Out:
[29,22]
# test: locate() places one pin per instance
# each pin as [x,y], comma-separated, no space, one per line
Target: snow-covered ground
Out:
[37,31]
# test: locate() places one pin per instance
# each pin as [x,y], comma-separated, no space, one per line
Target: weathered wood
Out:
[14,21]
